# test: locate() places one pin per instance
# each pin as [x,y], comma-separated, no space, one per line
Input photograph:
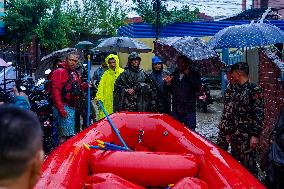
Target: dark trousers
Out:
[189,119]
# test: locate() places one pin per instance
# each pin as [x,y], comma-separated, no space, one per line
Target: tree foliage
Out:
[23,16]
[59,22]
[147,9]
[54,30]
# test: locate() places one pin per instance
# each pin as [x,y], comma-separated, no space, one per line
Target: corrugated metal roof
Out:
[194,29]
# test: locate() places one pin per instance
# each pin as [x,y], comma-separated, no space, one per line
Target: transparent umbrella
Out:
[122,44]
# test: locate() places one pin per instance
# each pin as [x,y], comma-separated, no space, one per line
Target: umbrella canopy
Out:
[3,63]
[59,53]
[49,61]
[85,45]
[247,35]
[204,58]
[122,44]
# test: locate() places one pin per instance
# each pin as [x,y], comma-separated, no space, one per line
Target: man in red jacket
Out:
[65,92]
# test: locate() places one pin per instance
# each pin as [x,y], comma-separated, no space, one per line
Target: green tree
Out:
[54,31]
[22,17]
[147,10]
[59,22]
[102,17]
[110,16]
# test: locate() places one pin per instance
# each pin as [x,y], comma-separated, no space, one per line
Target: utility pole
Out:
[158,9]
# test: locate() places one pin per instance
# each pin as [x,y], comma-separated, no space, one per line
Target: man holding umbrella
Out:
[184,84]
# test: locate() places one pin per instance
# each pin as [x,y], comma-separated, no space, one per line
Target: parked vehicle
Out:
[204,98]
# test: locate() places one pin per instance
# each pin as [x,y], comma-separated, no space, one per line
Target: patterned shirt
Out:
[245,110]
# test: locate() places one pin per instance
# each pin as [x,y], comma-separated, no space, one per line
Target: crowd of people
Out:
[132,89]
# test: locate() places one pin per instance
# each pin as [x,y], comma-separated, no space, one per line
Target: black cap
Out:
[238,66]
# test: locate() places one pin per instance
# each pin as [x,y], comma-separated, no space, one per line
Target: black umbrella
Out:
[85,45]
[50,61]
[122,44]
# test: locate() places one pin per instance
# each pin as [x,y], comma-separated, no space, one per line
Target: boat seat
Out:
[155,169]
[108,180]
[190,183]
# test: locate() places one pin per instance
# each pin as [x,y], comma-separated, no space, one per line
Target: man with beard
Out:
[134,90]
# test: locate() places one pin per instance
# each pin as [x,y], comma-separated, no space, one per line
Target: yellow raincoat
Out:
[106,86]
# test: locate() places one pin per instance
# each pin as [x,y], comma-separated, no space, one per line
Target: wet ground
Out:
[207,123]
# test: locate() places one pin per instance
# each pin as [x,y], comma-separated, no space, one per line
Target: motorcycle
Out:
[40,104]
[204,98]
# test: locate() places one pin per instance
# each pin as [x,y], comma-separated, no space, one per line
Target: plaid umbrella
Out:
[204,58]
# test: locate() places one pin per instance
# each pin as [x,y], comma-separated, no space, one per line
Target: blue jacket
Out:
[21,102]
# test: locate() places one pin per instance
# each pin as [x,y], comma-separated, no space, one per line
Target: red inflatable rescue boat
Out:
[162,154]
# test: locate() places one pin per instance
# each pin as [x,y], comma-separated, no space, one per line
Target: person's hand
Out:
[168,79]
[254,142]
[130,91]
[186,71]
[15,91]
[228,139]
[63,114]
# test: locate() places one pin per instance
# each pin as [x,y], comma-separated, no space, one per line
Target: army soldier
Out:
[245,118]
[226,118]
[134,91]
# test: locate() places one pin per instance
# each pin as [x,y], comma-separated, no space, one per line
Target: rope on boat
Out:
[105,146]
[112,125]
[169,186]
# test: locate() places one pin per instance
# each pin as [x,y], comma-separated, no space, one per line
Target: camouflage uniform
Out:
[226,118]
[242,119]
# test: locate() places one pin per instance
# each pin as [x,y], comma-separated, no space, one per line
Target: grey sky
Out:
[210,7]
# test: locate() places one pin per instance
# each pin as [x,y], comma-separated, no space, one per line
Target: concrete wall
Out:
[253,62]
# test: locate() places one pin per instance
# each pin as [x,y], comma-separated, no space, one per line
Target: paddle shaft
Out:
[89,91]
[112,125]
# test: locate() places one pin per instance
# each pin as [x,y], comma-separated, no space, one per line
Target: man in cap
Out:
[133,89]
[227,114]
[246,119]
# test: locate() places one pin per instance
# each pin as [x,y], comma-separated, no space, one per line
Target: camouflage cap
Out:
[134,55]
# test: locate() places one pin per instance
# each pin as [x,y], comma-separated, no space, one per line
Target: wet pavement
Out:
[207,123]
